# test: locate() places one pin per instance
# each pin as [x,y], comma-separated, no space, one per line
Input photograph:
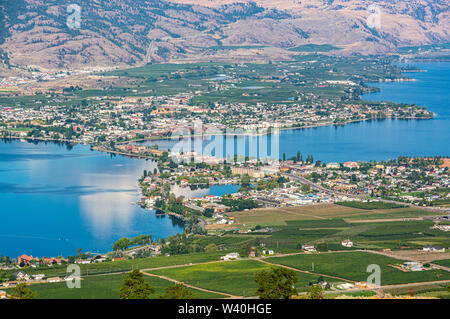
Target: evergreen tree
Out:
[277,283]
[135,287]
[21,291]
[177,291]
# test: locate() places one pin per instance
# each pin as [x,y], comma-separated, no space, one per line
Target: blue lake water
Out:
[216,190]
[381,140]
[376,140]
[55,200]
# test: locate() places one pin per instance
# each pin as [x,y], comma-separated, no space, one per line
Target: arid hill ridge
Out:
[34,33]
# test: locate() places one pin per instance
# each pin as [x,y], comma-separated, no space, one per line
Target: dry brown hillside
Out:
[115,33]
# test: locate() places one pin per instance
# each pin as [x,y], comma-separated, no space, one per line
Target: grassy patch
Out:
[233,277]
[370,205]
[103,287]
[318,223]
[393,213]
[128,265]
[398,230]
[276,216]
[353,265]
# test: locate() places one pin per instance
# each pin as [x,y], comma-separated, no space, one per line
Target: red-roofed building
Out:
[26,260]
[52,261]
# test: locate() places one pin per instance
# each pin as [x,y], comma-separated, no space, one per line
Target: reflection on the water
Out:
[112,211]
[56,200]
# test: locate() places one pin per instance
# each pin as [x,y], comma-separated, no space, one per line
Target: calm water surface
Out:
[378,140]
[55,200]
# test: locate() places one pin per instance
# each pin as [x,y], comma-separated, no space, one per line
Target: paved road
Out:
[303,180]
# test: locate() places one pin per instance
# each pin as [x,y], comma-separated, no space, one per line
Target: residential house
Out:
[20,275]
[346,286]
[347,243]
[230,256]
[309,248]
[53,279]
[434,249]
[38,276]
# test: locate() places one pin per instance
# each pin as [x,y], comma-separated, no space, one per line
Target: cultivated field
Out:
[419,255]
[233,277]
[279,216]
[128,265]
[104,287]
[353,266]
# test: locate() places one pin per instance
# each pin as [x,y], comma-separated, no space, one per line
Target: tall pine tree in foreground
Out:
[135,287]
[277,283]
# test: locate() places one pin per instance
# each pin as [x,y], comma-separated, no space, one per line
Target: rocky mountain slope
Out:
[35,33]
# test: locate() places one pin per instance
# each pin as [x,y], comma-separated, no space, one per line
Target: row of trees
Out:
[299,158]
[124,243]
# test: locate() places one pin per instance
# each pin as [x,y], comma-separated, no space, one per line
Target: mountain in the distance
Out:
[34,33]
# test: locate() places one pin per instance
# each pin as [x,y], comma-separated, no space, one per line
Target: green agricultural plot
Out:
[445,262]
[330,224]
[353,266]
[157,70]
[315,48]
[291,237]
[367,293]
[293,234]
[318,223]
[283,214]
[416,49]
[128,265]
[104,287]
[323,214]
[398,230]
[233,277]
[170,79]
[370,205]
[391,214]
